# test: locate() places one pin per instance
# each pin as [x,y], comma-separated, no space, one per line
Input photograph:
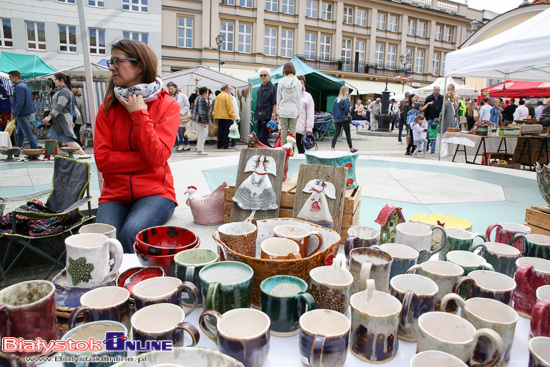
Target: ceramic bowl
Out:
[265,268]
[9,152]
[165,261]
[165,240]
[196,357]
[130,278]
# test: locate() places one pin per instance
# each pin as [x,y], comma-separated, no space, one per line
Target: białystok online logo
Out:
[114,341]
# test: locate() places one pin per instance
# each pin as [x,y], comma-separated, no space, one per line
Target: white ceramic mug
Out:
[88,258]
[539,352]
[301,236]
[280,249]
[468,261]
[330,286]
[419,236]
[101,228]
[436,358]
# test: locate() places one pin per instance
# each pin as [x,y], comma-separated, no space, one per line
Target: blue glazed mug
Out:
[502,257]
[404,257]
[105,303]
[165,290]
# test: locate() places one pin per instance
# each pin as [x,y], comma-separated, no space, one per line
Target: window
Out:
[270,42]
[419,62]
[390,56]
[381,22]
[360,52]
[6,38]
[245,38]
[97,3]
[442,72]
[346,54]
[287,40]
[438,33]
[271,5]
[379,55]
[135,5]
[228,2]
[67,38]
[411,27]
[97,41]
[311,10]
[393,23]
[287,6]
[326,11]
[311,40]
[185,32]
[143,37]
[448,34]
[435,64]
[245,3]
[362,18]
[324,48]
[66,1]
[422,29]
[410,52]
[227,31]
[348,15]
[36,36]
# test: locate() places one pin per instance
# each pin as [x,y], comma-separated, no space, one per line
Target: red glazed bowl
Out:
[165,261]
[130,278]
[165,240]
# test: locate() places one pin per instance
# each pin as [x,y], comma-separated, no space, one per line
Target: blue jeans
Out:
[131,218]
[418,148]
[24,129]
[431,142]
[263,133]
[181,139]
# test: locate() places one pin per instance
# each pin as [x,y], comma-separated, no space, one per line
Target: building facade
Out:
[349,39]
[51,30]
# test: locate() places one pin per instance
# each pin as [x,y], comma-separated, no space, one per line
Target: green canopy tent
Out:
[28,65]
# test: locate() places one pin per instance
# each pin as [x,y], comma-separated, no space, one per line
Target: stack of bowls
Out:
[157,246]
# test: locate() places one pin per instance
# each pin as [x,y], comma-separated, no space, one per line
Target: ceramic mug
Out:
[370,263]
[374,324]
[88,257]
[324,338]
[459,239]
[531,274]
[457,336]
[284,300]
[361,236]
[241,333]
[29,312]
[540,313]
[419,236]
[468,261]
[491,314]
[240,236]
[534,245]
[505,231]
[301,236]
[188,265]
[280,249]
[163,321]
[101,228]
[486,284]
[165,290]
[226,285]
[417,294]
[403,257]
[104,303]
[330,286]
[539,352]
[436,358]
[502,257]
[443,273]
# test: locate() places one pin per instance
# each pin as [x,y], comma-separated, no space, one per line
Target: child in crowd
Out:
[417,134]
[411,115]
[432,136]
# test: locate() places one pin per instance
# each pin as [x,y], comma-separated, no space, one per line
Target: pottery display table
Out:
[475,145]
[5,141]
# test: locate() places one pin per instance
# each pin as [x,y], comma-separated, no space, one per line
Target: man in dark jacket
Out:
[508,112]
[266,105]
[434,104]
[22,108]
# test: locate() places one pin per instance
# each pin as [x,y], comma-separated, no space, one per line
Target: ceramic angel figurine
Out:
[256,192]
[316,209]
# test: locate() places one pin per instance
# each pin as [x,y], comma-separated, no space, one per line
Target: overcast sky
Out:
[499,6]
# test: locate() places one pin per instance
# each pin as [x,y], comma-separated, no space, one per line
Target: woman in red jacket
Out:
[135,131]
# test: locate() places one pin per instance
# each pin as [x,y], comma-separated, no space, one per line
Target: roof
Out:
[540,2]
[28,65]
[201,76]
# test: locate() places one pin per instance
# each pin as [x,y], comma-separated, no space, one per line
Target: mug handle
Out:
[208,329]
[413,268]
[540,319]
[467,281]
[4,310]
[364,274]
[486,266]
[481,252]
[294,256]
[253,221]
[211,294]
[193,295]
[497,348]
[523,277]
[490,229]
[320,237]
[74,315]
[515,238]
[189,273]
[329,259]
[115,248]
[317,350]
[406,309]
[451,297]
[191,330]
[349,245]
[308,300]
[443,239]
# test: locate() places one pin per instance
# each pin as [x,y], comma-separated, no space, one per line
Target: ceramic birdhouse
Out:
[316,209]
[388,218]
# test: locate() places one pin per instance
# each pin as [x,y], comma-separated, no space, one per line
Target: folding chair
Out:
[71,181]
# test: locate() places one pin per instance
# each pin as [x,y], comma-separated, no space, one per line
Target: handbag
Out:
[184,119]
[234,131]
[213,129]
[261,116]
[191,134]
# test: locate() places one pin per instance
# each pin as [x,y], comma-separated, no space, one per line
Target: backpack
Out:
[411,115]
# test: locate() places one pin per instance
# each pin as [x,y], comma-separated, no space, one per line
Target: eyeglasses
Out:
[115,61]
[262,75]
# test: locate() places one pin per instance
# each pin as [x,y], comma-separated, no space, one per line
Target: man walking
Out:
[22,108]
[266,105]
[224,112]
[376,106]
[433,106]
[508,113]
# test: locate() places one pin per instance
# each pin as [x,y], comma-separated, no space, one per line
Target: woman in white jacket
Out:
[306,119]
[289,100]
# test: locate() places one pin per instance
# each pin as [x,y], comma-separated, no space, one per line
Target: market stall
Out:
[518,89]
[462,90]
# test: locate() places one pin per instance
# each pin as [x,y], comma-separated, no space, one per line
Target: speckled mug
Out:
[240,236]
[330,286]
[360,236]
[531,274]
[370,263]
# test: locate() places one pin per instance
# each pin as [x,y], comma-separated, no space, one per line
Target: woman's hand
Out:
[46,119]
[135,103]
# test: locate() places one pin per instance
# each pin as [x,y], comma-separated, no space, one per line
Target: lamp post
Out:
[219,41]
[404,60]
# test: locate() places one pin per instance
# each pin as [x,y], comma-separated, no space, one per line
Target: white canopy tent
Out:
[520,53]
[462,90]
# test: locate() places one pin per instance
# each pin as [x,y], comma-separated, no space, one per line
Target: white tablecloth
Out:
[5,141]
[471,142]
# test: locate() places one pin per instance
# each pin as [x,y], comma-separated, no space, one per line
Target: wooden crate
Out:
[538,219]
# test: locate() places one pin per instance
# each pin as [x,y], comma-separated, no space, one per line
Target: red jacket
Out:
[132,150]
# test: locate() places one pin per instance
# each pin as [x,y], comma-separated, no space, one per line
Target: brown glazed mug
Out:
[27,310]
[301,236]
[531,274]
[240,236]
[540,314]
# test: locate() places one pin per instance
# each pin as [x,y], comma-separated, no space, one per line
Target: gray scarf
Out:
[149,91]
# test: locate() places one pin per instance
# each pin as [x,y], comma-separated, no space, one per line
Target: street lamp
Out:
[219,41]
[405,60]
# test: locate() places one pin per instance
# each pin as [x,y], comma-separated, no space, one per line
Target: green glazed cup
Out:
[459,239]
[226,285]
[284,300]
[468,261]
[535,245]
[188,265]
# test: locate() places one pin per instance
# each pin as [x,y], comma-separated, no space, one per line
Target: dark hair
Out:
[288,68]
[486,99]
[417,105]
[146,59]
[203,90]
[217,93]
[500,99]
[15,73]
[512,100]
[522,102]
[410,98]
[66,79]
[539,103]
[302,78]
